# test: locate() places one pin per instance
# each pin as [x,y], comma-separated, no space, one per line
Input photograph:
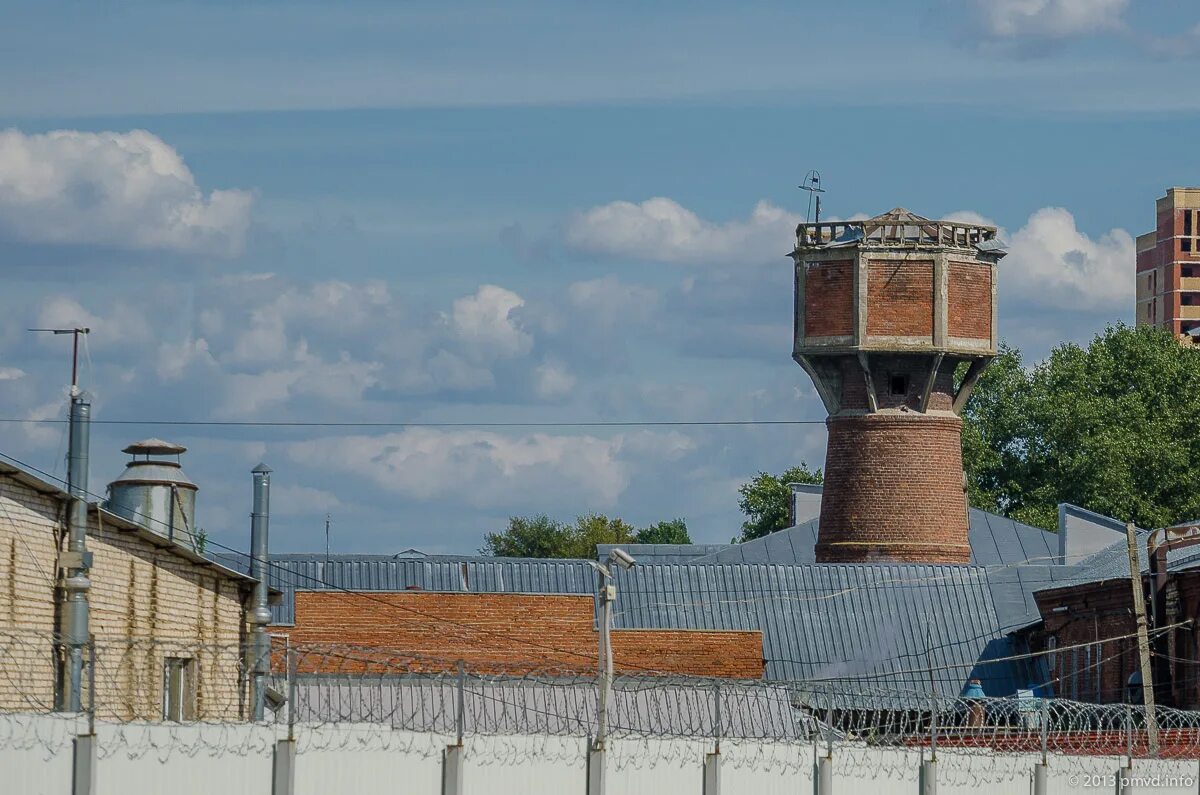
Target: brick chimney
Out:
[886,311]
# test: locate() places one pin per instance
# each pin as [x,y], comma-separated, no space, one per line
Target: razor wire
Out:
[343,696]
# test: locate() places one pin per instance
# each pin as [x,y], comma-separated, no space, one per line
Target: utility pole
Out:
[607,595]
[75,560]
[326,538]
[1143,636]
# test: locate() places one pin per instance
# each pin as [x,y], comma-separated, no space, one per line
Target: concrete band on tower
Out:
[895,321]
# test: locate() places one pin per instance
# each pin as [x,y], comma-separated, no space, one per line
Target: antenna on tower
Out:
[327,537]
[76,331]
[812,184]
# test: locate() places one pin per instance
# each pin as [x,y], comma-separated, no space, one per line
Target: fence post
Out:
[595,769]
[928,778]
[283,771]
[1039,769]
[712,762]
[83,768]
[452,759]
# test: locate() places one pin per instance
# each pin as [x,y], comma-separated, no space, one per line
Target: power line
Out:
[501,424]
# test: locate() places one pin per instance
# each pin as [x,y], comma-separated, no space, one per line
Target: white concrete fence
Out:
[54,755]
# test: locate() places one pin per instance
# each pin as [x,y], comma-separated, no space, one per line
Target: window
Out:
[1188,299]
[898,385]
[179,689]
[1187,271]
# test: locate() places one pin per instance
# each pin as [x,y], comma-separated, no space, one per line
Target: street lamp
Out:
[608,595]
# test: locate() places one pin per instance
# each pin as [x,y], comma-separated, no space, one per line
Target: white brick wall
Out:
[146,604]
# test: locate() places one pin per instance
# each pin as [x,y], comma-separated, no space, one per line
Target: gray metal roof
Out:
[289,573]
[662,553]
[865,626]
[995,540]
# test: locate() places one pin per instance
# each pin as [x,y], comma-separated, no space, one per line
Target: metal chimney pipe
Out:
[74,630]
[259,662]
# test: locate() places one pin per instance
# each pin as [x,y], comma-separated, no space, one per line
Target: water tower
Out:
[895,321]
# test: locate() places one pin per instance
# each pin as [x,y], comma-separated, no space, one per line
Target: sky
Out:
[529,213]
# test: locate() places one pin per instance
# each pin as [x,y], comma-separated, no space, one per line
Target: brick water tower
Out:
[895,322]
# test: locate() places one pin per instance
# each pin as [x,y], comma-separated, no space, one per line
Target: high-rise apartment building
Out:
[1168,265]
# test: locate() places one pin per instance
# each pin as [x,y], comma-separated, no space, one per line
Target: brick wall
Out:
[970,296]
[146,604]
[829,299]
[900,298]
[510,632]
[894,490]
[1093,612]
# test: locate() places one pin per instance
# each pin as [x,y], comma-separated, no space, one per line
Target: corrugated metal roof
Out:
[862,627]
[995,540]
[288,573]
[865,626]
[662,553]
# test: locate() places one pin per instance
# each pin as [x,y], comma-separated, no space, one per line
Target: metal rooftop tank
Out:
[154,492]
[886,310]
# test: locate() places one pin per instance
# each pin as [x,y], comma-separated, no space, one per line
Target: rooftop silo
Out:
[887,309]
[154,492]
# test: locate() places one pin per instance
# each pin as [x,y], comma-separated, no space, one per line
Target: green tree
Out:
[543,537]
[530,537]
[766,499]
[1112,427]
[671,532]
[594,529]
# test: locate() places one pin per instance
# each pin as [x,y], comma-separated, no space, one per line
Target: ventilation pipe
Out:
[76,560]
[259,662]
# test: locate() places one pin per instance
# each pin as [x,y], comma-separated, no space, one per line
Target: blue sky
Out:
[530,212]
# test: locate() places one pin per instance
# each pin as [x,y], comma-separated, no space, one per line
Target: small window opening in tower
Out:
[898,385]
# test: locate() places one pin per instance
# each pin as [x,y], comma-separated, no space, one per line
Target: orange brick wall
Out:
[900,298]
[829,299]
[970,294]
[512,632]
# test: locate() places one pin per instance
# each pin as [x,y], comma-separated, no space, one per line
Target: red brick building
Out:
[509,632]
[1168,264]
[1090,612]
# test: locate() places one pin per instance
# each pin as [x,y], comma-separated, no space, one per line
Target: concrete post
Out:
[1123,775]
[825,776]
[283,773]
[712,774]
[595,770]
[83,772]
[929,777]
[1039,778]
[452,770]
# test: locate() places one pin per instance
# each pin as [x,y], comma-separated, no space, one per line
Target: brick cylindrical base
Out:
[894,490]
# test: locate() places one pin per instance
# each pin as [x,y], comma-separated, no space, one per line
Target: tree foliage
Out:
[543,537]
[1111,427]
[766,500]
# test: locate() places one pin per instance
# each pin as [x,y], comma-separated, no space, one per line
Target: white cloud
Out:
[1047,19]
[662,230]
[122,326]
[291,500]
[481,468]
[11,373]
[552,380]
[611,302]
[127,190]
[485,323]
[1052,263]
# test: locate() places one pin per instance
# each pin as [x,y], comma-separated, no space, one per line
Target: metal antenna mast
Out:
[326,536]
[75,332]
[812,184]
[75,562]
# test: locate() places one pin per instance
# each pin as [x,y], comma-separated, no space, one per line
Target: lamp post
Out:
[607,595]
